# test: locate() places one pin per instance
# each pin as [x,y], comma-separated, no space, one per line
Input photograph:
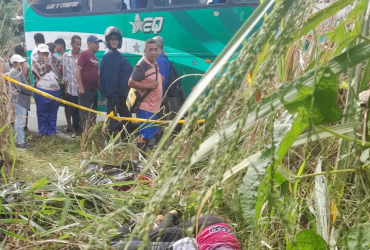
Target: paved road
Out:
[61,121]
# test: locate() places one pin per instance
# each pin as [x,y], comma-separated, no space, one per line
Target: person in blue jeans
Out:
[147,79]
[21,99]
[46,77]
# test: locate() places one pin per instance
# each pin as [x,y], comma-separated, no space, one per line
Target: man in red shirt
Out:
[87,74]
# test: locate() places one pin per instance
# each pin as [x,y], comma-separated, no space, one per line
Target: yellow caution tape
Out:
[128,119]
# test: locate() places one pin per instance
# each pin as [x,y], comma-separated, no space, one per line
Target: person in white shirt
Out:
[39,39]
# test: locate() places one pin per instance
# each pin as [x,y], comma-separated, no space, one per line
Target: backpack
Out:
[173,89]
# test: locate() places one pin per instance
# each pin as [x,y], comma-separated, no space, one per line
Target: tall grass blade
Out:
[67,204]
[322,15]
[58,229]
[220,61]
[12,234]
[322,209]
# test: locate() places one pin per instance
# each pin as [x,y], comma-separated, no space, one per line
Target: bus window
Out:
[166,3]
[106,5]
[56,6]
[134,4]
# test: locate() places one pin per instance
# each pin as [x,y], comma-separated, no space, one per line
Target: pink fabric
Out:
[217,235]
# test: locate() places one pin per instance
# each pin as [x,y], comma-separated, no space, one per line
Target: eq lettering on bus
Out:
[149,24]
[61,5]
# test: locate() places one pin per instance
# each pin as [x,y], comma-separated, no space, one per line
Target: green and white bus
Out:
[194,31]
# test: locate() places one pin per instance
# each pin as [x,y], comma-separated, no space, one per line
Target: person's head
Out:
[151,50]
[43,50]
[19,49]
[39,39]
[17,61]
[160,43]
[93,43]
[60,46]
[76,43]
[113,38]
[51,47]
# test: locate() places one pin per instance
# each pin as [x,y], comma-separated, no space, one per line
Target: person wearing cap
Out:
[70,80]
[46,80]
[21,99]
[87,74]
[115,71]
[19,50]
[39,39]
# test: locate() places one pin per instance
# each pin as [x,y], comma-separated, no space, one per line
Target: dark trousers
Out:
[74,113]
[117,104]
[88,100]
[47,111]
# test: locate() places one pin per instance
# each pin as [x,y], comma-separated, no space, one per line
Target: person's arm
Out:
[139,86]
[81,89]
[164,68]
[137,76]
[125,73]
[64,77]
[41,67]
[81,60]
[16,76]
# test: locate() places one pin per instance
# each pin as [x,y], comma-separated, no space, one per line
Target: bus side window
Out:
[134,4]
[166,3]
[102,6]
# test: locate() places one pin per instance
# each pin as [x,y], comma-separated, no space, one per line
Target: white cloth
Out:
[49,81]
[185,244]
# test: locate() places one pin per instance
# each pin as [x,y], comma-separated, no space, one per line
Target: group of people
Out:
[168,233]
[76,76]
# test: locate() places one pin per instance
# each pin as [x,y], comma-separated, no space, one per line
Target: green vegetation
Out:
[285,162]
[11,27]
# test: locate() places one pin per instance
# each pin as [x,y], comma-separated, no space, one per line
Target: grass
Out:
[34,163]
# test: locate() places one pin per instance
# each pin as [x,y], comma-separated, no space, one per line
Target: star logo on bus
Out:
[136,47]
[137,25]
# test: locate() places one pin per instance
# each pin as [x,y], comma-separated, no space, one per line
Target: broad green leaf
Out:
[272,103]
[319,100]
[322,15]
[308,240]
[357,240]
[286,129]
